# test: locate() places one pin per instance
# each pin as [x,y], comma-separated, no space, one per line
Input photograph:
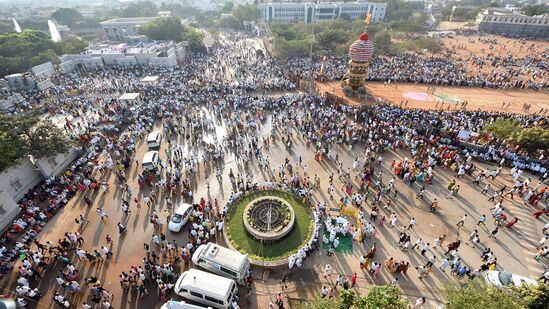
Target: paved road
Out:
[514,248]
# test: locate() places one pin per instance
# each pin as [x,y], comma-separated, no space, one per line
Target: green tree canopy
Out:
[331,38]
[9,150]
[73,46]
[178,9]
[140,9]
[532,10]
[227,7]
[20,51]
[195,40]
[6,26]
[28,134]
[502,128]
[473,294]
[382,42]
[534,296]
[168,28]
[247,12]
[67,16]
[398,10]
[384,296]
[531,139]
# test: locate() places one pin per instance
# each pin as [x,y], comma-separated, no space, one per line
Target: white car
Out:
[503,278]
[154,139]
[150,161]
[172,304]
[180,217]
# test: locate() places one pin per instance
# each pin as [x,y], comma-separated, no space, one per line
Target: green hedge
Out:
[290,244]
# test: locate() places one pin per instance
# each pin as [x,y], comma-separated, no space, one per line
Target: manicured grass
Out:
[345,243]
[291,243]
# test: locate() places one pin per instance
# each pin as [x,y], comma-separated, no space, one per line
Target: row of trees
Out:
[21,51]
[471,13]
[334,37]
[170,28]
[29,134]
[468,294]
[477,294]
[532,10]
[530,139]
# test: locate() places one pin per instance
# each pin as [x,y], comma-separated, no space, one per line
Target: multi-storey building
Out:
[120,29]
[288,12]
[510,23]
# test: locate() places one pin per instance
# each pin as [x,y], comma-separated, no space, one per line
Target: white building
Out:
[120,29]
[152,54]
[511,23]
[308,12]
[18,179]
[9,100]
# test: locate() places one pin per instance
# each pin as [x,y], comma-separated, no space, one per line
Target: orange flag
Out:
[368,19]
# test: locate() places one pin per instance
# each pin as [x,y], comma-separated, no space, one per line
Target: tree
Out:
[398,10]
[229,22]
[291,49]
[194,38]
[382,42]
[180,10]
[36,23]
[20,51]
[532,10]
[531,139]
[228,7]
[169,28]
[408,26]
[74,46]
[502,128]
[329,39]
[535,296]
[9,150]
[6,26]
[476,293]
[28,134]
[45,56]
[140,9]
[384,296]
[67,16]
[247,12]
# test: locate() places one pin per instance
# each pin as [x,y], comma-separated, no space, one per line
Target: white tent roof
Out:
[149,79]
[129,96]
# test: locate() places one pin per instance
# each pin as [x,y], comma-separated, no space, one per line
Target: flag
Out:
[368,19]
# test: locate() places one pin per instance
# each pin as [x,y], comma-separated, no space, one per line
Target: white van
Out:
[180,217]
[222,261]
[206,288]
[150,161]
[154,139]
[172,304]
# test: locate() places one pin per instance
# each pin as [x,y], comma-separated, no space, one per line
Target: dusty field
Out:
[468,50]
[477,98]
[492,45]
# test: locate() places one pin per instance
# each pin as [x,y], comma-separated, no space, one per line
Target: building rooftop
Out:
[130,20]
[151,47]
[502,12]
[129,96]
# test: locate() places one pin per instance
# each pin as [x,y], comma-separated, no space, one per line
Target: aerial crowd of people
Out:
[225,88]
[495,68]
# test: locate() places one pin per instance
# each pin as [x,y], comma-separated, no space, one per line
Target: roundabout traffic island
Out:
[268,226]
